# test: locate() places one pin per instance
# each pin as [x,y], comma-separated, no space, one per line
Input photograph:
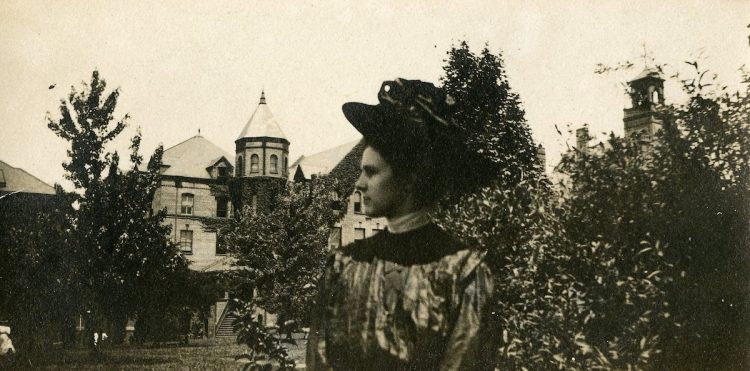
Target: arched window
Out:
[254,160]
[186,204]
[274,164]
[240,167]
[655,97]
[357,202]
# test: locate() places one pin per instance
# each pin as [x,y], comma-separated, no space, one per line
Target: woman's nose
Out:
[360,184]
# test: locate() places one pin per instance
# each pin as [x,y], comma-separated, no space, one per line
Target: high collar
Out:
[408,222]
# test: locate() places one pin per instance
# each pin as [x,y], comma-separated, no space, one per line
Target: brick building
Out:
[193,174]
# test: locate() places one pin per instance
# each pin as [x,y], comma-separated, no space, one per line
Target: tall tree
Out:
[490,114]
[122,247]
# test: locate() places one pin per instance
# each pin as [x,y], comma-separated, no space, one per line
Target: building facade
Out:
[354,224]
[193,190]
[190,173]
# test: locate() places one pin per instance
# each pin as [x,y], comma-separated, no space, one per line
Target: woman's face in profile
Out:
[382,193]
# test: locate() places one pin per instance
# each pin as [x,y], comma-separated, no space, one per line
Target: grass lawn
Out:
[209,354]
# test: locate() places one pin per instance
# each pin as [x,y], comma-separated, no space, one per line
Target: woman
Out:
[411,297]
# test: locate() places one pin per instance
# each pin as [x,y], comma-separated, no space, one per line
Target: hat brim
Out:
[368,119]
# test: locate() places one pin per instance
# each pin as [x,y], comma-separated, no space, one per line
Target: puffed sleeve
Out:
[472,344]
[316,344]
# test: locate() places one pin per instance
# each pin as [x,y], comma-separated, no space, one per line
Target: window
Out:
[359,234]
[377,229]
[186,204]
[274,164]
[357,202]
[254,160]
[655,97]
[222,207]
[222,173]
[186,241]
[286,165]
[2,179]
[221,244]
[240,167]
[334,240]
[254,204]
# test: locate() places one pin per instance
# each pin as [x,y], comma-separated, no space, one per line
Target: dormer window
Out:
[222,173]
[186,204]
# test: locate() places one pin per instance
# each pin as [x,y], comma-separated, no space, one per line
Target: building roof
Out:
[191,158]
[321,163]
[14,179]
[262,123]
[648,72]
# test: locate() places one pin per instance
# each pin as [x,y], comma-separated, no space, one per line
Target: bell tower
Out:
[647,96]
[262,153]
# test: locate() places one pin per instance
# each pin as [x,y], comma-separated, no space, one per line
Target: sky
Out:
[184,66]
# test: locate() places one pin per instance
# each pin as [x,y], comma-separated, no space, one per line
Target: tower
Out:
[646,96]
[262,153]
[582,139]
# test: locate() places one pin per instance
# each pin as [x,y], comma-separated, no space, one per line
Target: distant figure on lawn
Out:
[411,297]
[6,345]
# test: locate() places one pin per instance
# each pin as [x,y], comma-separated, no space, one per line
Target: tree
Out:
[561,301]
[39,292]
[683,191]
[489,114]
[280,253]
[510,218]
[122,248]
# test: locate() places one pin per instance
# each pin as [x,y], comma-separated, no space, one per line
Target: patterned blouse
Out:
[408,301]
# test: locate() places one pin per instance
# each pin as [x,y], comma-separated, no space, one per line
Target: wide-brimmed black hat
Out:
[411,120]
[412,125]
[410,107]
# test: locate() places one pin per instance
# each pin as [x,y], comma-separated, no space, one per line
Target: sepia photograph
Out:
[374,185]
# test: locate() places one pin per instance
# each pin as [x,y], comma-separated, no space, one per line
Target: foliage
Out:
[39,292]
[619,264]
[489,114]
[569,294]
[167,313]
[684,190]
[279,252]
[122,251]
[253,333]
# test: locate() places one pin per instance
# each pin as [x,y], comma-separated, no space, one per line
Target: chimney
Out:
[541,157]
[582,139]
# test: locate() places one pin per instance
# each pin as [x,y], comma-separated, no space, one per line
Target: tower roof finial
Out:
[262,97]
